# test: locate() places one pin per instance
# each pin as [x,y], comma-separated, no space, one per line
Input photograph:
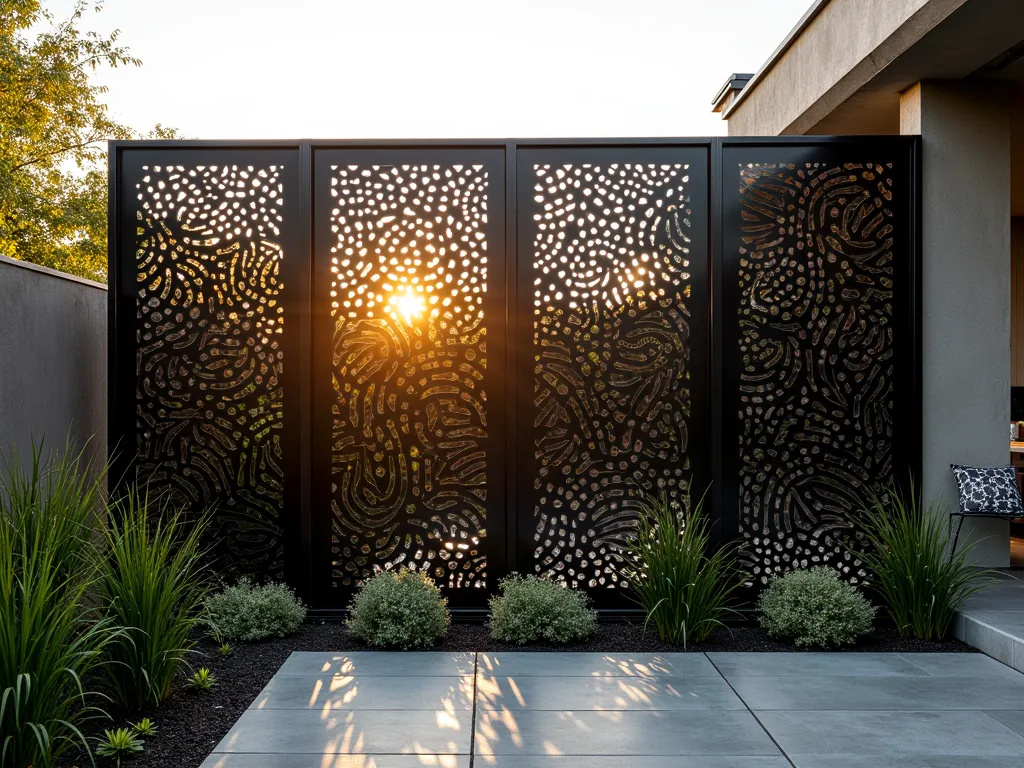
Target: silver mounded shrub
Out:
[399,609]
[815,608]
[250,612]
[532,609]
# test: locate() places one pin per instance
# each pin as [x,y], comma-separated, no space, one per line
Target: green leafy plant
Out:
[815,608]
[534,609]
[250,612]
[684,587]
[153,578]
[399,609]
[224,649]
[144,728]
[53,208]
[118,744]
[920,583]
[202,680]
[52,635]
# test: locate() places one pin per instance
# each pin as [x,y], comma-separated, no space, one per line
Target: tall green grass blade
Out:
[921,583]
[152,577]
[49,623]
[684,587]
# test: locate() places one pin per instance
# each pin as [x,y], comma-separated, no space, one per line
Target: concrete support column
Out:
[965,204]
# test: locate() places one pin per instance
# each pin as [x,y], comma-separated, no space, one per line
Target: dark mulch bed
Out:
[191,724]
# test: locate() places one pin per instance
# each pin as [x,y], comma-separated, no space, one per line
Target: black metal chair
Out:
[962,514]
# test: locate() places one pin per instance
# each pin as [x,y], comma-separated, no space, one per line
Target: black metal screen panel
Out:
[477,357]
[208,236]
[408,367]
[613,264]
[818,344]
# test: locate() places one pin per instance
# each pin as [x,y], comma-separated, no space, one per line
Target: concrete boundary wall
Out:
[53,359]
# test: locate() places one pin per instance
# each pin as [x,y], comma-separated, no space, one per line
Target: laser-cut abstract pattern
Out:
[611,345]
[409,463]
[816,344]
[209,361]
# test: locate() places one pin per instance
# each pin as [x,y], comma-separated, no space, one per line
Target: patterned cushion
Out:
[988,490]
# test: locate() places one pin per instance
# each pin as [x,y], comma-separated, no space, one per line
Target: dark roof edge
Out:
[737,81]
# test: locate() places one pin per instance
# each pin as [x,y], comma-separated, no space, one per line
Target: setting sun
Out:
[409,306]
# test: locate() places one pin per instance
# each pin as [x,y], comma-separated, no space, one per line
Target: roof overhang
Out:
[805,21]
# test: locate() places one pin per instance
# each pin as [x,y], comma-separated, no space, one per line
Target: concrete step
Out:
[1000,634]
[993,620]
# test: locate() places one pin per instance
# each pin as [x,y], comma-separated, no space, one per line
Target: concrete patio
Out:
[554,710]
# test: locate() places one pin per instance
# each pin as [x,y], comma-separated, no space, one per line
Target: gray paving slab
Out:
[554,710]
[296,731]
[633,761]
[997,600]
[666,692]
[958,664]
[888,733]
[814,663]
[893,693]
[899,761]
[1002,594]
[338,761]
[386,663]
[563,664]
[1011,622]
[1011,719]
[537,732]
[331,692]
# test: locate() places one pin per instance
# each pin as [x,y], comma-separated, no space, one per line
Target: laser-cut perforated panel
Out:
[209,396]
[816,352]
[409,271]
[612,266]
[479,384]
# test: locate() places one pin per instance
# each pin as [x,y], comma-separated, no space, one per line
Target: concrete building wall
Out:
[53,359]
[846,43]
[1017,302]
[965,333]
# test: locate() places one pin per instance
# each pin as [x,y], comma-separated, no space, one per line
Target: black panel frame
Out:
[493,159]
[905,154]
[302,342]
[126,162]
[698,154]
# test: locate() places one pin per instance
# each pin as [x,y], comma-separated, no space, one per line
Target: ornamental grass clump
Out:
[399,609]
[921,584]
[815,608]
[153,579]
[683,585]
[52,634]
[249,612]
[533,609]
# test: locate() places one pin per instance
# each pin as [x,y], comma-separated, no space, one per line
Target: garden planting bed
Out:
[191,724]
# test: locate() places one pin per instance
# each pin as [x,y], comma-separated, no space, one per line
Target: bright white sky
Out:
[434,68]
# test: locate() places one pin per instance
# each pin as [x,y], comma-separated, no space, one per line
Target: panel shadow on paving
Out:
[671,710]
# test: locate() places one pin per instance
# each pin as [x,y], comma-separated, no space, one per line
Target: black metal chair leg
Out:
[957,537]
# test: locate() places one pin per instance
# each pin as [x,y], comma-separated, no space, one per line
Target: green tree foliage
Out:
[53,125]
